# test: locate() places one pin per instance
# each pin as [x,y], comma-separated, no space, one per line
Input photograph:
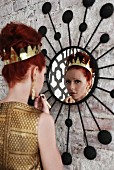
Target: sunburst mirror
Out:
[55,76]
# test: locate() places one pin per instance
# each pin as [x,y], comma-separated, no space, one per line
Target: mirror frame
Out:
[95,80]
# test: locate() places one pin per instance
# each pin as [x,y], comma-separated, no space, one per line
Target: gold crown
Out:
[82,63]
[23,54]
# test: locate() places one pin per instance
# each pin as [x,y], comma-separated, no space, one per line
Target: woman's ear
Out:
[90,84]
[34,72]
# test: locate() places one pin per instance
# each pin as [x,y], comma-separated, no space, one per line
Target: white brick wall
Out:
[30,12]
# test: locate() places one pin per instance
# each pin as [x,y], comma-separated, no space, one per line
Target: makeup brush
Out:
[43,96]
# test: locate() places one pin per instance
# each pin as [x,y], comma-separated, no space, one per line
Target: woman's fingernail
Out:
[42,95]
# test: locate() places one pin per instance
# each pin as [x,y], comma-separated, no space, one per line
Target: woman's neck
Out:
[19,93]
[80,98]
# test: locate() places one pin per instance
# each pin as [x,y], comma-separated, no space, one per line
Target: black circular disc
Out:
[57,36]
[106,10]
[67,16]
[104,38]
[42,30]
[112,93]
[46,8]
[90,152]
[68,122]
[83,27]
[88,3]
[104,137]
[66,158]
[44,52]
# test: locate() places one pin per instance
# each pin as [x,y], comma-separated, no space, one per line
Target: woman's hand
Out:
[42,104]
[69,99]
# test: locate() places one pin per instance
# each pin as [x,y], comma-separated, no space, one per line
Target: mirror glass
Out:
[71,74]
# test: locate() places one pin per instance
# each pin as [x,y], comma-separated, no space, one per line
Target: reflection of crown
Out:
[78,62]
[23,55]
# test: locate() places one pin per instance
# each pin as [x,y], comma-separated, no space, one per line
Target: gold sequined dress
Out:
[18,137]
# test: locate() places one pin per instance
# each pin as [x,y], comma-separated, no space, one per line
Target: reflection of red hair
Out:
[18,35]
[81,56]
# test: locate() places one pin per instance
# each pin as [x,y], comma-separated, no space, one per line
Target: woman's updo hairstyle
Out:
[19,35]
[72,64]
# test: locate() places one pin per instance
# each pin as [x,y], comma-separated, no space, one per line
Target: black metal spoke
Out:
[68,129]
[106,78]
[80,38]
[103,104]
[95,47]
[84,30]
[93,116]
[93,33]
[50,44]
[48,58]
[45,91]
[52,22]
[105,53]
[111,65]
[67,139]
[54,28]
[69,35]
[85,14]
[49,97]
[59,112]
[103,89]
[82,124]
[53,104]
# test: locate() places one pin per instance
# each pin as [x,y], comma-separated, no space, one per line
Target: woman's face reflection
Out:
[78,82]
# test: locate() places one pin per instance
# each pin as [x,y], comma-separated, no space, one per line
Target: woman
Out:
[27,133]
[78,77]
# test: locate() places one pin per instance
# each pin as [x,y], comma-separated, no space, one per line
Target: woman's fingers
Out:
[41,103]
[69,99]
[36,102]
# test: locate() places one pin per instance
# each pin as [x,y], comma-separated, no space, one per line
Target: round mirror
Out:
[72,75]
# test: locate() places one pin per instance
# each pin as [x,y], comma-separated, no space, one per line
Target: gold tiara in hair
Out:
[23,54]
[82,63]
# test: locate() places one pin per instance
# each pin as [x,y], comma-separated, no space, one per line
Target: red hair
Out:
[85,71]
[18,35]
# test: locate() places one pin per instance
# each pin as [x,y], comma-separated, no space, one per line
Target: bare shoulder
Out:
[1,101]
